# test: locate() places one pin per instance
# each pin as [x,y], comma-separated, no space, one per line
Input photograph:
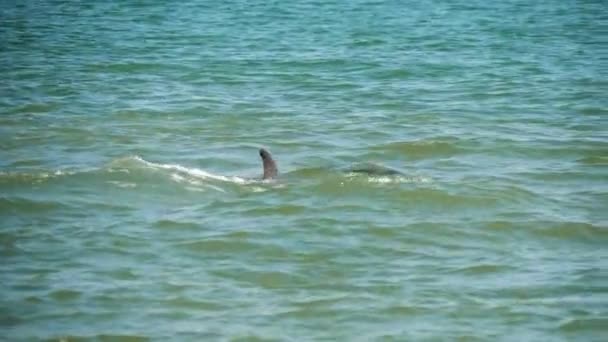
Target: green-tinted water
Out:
[130,209]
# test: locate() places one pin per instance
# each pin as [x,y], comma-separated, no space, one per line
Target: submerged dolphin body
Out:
[271,171]
[270,167]
[373,170]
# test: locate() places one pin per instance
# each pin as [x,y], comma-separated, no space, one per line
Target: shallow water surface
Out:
[131,205]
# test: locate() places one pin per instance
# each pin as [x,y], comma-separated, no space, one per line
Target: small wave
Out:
[194,172]
[180,173]
[64,295]
[563,230]
[572,230]
[427,148]
[476,270]
[33,178]
[27,205]
[130,172]
[123,184]
[102,337]
[585,324]
[594,160]
[308,172]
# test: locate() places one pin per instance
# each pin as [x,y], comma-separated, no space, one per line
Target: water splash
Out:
[183,173]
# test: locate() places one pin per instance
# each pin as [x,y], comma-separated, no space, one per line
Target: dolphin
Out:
[373,170]
[270,166]
[271,171]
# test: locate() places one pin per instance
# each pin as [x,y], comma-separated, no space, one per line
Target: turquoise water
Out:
[131,206]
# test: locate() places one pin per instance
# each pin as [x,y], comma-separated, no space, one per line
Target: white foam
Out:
[390,179]
[196,189]
[122,170]
[398,179]
[197,185]
[176,177]
[215,187]
[123,184]
[193,172]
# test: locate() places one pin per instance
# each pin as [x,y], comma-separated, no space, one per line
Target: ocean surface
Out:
[132,206]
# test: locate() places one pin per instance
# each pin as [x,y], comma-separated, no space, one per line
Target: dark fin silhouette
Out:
[270,167]
[374,170]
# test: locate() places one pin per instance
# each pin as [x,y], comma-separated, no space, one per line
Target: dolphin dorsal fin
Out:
[270,167]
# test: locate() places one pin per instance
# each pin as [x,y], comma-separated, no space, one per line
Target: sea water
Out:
[131,205]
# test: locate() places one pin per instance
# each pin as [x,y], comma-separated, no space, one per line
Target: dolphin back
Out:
[374,170]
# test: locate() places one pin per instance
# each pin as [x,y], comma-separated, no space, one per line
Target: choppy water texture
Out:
[130,205]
